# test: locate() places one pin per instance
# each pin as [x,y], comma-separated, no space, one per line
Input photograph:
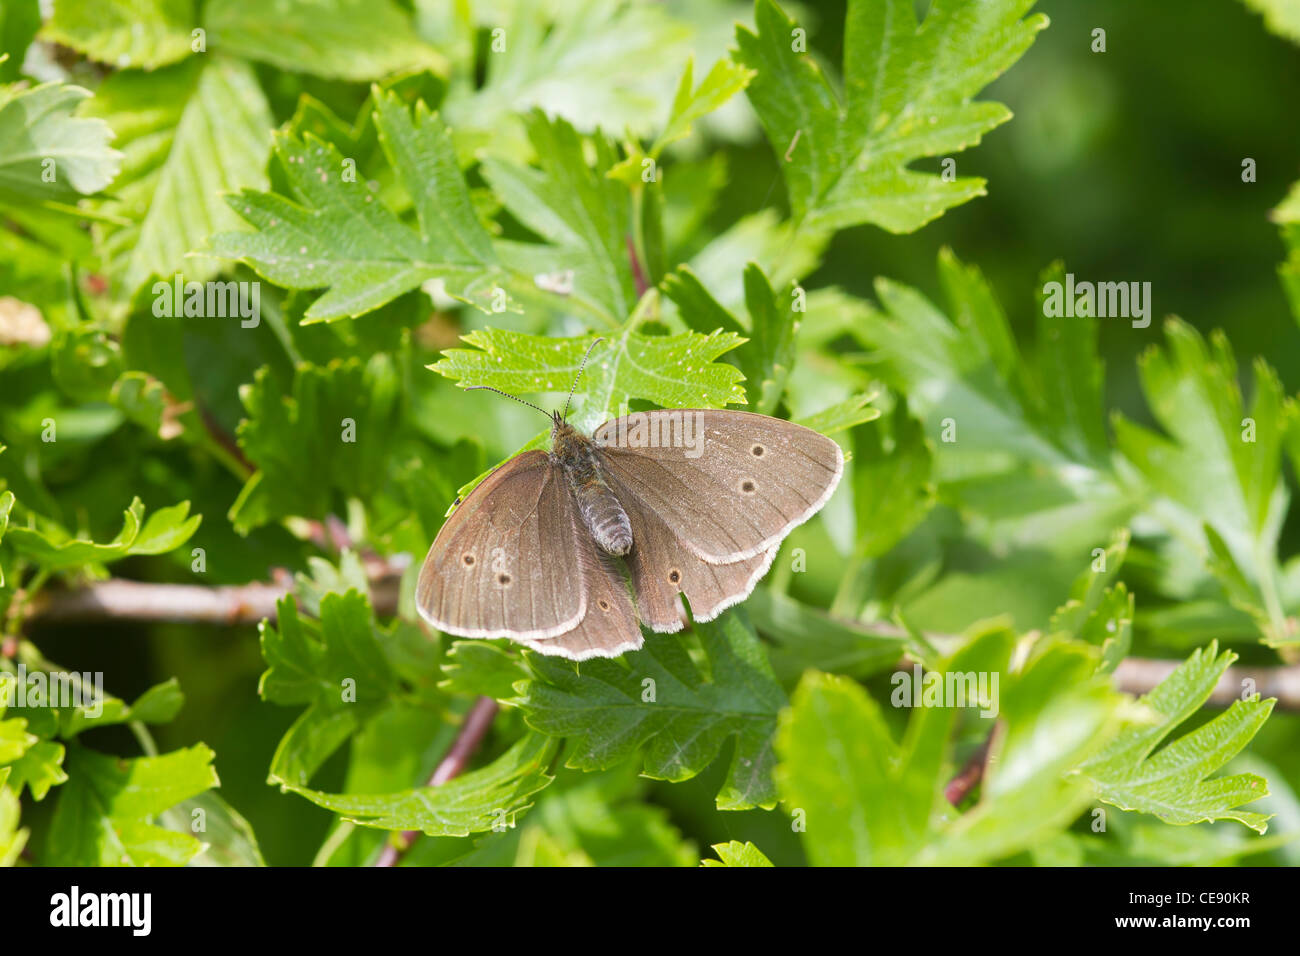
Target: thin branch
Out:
[475,727]
[249,603]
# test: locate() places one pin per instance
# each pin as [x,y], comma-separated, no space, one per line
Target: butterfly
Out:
[689,502]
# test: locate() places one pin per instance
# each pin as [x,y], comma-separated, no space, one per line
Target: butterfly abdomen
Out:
[597,504]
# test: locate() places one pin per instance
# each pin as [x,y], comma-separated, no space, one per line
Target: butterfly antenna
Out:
[471,388]
[574,386]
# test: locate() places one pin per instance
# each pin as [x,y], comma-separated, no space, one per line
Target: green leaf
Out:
[583,215]
[49,153]
[12,839]
[907,93]
[1280,16]
[672,371]
[158,705]
[331,438]
[56,550]
[473,803]
[312,661]
[125,34]
[104,810]
[39,768]
[866,799]
[659,706]
[335,234]
[190,133]
[1222,463]
[342,39]
[478,668]
[724,80]
[1172,782]
[736,853]
[892,485]
[805,637]
[6,505]
[1096,612]
[591,62]
[842,416]
[19,21]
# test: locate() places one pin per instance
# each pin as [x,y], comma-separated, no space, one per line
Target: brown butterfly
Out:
[691,502]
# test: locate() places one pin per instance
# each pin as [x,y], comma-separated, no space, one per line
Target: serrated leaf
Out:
[331,438]
[311,661]
[805,637]
[472,803]
[853,411]
[42,136]
[602,707]
[908,92]
[190,134]
[584,217]
[1221,462]
[12,839]
[482,669]
[893,489]
[866,799]
[126,34]
[335,234]
[158,705]
[343,39]
[1280,16]
[724,80]
[102,817]
[1174,782]
[54,549]
[601,62]
[736,853]
[672,371]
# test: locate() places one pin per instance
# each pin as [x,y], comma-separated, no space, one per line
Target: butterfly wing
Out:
[662,567]
[729,494]
[609,627]
[501,566]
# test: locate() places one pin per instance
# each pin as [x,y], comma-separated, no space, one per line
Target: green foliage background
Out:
[498,174]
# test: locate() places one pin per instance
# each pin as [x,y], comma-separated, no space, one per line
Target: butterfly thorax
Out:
[579,458]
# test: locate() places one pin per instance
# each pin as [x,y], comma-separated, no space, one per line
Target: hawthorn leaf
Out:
[736,853]
[1221,462]
[189,133]
[804,637]
[893,489]
[41,135]
[158,705]
[478,668]
[853,411]
[331,437]
[672,371]
[12,839]
[55,550]
[6,505]
[335,234]
[474,802]
[658,707]
[723,81]
[908,93]
[1174,782]
[584,216]
[603,61]
[353,40]
[126,34]
[104,810]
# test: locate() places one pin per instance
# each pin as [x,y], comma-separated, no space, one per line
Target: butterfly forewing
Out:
[732,487]
[503,565]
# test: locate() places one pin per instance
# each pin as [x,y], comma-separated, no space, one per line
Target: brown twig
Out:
[475,727]
[250,603]
[971,773]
